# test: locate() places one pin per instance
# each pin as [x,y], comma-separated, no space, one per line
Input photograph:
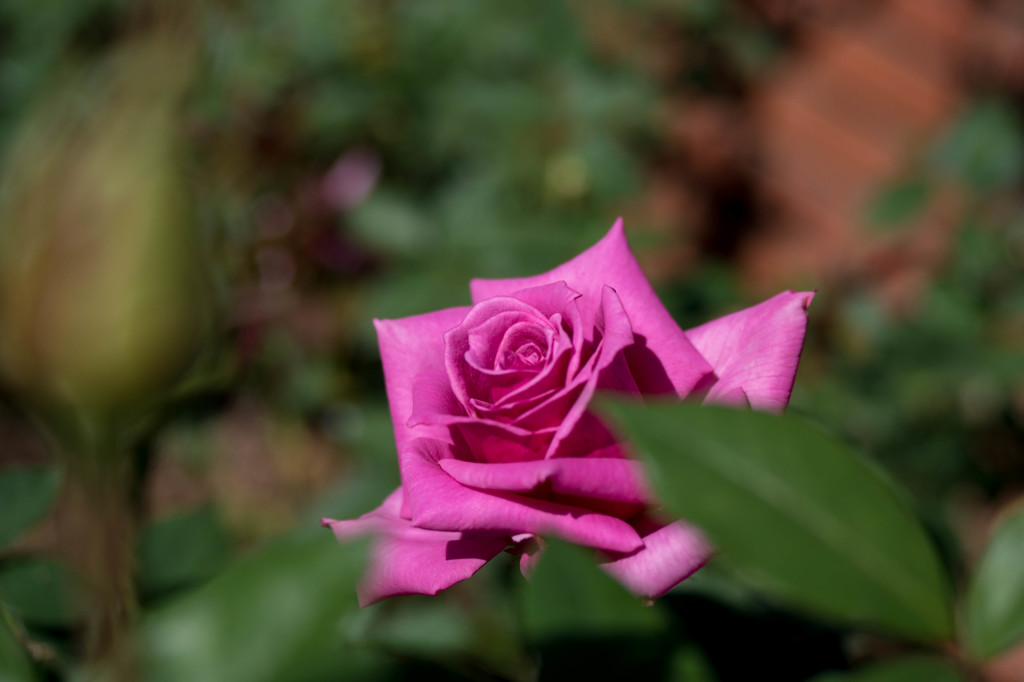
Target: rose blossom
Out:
[495,442]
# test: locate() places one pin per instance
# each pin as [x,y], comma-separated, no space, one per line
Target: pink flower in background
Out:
[496,444]
[351,179]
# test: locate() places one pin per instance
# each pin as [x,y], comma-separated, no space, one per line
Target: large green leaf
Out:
[995,600]
[274,615]
[914,669]
[27,494]
[803,518]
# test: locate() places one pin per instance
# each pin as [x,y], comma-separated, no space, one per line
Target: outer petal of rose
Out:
[588,477]
[411,347]
[409,560]
[663,360]
[671,553]
[755,352]
[439,502]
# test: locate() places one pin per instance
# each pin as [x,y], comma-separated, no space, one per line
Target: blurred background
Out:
[204,204]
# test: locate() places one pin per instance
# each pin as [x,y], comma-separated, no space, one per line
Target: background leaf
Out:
[41,592]
[995,600]
[985,148]
[567,594]
[181,550]
[807,521]
[472,627]
[14,662]
[900,670]
[899,203]
[572,609]
[27,495]
[274,615]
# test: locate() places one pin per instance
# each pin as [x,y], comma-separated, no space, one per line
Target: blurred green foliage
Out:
[15,665]
[899,670]
[41,592]
[348,160]
[27,495]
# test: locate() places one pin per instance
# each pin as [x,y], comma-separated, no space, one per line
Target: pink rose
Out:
[495,441]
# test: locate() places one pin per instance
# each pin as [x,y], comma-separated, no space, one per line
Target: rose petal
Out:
[494,317]
[590,435]
[671,553]
[564,408]
[485,341]
[410,348]
[507,410]
[548,380]
[755,352]
[556,298]
[530,548]
[439,502]
[618,335]
[487,440]
[409,560]
[591,477]
[663,360]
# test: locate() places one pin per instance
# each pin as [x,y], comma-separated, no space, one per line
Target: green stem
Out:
[99,538]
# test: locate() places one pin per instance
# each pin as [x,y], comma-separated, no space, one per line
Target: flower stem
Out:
[98,536]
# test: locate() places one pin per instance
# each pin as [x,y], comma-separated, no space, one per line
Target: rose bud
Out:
[497,446]
[102,301]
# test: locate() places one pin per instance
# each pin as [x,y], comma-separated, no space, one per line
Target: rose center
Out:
[524,347]
[528,354]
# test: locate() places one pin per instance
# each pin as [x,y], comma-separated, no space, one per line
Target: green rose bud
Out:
[102,298]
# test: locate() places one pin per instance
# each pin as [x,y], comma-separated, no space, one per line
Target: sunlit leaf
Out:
[803,518]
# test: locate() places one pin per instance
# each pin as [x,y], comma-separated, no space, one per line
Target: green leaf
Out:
[181,550]
[274,615]
[568,595]
[15,665]
[985,149]
[27,495]
[804,519]
[899,203]
[41,592]
[475,623]
[689,664]
[915,669]
[572,609]
[995,600]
